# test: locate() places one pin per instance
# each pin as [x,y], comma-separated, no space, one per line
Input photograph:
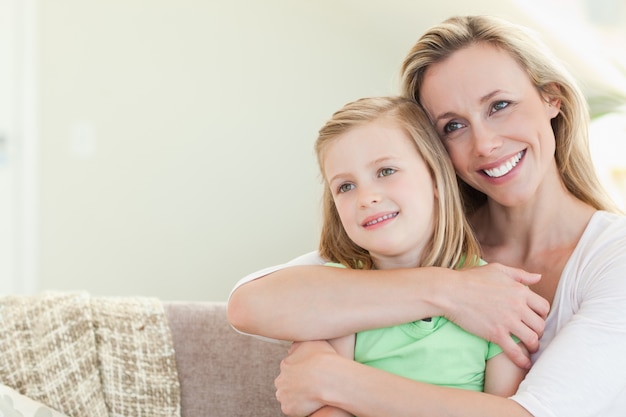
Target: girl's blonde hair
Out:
[452,240]
[551,79]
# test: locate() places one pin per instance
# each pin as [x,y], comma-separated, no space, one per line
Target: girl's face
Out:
[383,192]
[493,122]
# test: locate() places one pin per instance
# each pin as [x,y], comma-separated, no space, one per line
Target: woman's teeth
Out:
[380,219]
[505,168]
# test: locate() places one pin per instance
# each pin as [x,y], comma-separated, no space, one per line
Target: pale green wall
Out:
[176,136]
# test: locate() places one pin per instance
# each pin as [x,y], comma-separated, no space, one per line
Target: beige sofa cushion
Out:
[222,373]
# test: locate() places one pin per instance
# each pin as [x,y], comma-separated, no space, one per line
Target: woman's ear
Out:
[554,107]
[551,96]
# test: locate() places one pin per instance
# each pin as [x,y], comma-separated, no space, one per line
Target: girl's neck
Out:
[394,262]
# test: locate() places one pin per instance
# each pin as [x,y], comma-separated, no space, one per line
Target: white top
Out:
[580,369]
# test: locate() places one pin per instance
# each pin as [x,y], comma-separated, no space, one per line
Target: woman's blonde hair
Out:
[452,239]
[549,76]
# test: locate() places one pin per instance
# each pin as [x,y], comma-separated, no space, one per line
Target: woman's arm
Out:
[313,374]
[317,302]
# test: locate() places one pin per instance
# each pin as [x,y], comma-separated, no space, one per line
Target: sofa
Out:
[130,356]
[222,373]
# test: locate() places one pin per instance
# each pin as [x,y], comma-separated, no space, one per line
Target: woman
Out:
[515,126]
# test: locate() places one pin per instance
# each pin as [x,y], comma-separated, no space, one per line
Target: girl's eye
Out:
[499,106]
[386,171]
[343,188]
[451,127]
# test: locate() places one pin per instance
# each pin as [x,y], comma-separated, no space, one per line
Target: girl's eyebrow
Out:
[375,162]
[382,159]
[336,176]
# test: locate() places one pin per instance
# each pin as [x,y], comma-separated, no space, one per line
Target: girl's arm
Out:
[344,346]
[502,376]
[313,374]
[317,302]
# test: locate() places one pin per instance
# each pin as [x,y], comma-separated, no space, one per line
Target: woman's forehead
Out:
[472,73]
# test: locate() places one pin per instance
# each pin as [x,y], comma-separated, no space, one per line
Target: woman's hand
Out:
[494,308]
[302,377]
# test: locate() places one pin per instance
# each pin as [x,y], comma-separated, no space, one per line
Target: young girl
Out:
[391,201]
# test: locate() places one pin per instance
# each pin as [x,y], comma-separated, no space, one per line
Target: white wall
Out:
[176,136]
[8,115]
[18,154]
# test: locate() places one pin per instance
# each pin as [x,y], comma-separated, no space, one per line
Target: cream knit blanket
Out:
[85,356]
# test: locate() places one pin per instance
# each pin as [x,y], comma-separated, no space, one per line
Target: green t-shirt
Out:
[435,351]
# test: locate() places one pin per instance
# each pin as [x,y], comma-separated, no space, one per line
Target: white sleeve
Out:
[582,371]
[311,258]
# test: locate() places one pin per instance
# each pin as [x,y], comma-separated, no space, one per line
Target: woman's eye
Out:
[345,187]
[499,106]
[451,127]
[386,171]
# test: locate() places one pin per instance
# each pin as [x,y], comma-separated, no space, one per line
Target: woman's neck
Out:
[553,219]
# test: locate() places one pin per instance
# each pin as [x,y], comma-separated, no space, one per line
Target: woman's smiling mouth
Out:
[506,167]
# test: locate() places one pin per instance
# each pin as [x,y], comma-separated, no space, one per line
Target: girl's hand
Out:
[302,377]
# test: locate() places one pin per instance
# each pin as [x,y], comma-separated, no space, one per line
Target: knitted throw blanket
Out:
[87,356]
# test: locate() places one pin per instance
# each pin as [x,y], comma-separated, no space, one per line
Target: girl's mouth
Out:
[380,219]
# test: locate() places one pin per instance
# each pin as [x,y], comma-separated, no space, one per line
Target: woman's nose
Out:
[484,139]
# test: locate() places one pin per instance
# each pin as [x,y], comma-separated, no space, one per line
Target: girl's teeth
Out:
[380,219]
[505,168]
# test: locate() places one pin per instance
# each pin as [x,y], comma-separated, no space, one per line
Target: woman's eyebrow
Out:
[447,115]
[489,96]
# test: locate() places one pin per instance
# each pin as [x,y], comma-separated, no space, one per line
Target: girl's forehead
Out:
[380,133]
[368,145]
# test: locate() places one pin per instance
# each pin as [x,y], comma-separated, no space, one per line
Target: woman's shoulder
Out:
[605,225]
[603,240]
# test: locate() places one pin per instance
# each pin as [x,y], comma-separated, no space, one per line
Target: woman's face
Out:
[493,122]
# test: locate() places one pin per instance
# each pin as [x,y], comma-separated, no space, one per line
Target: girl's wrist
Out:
[331,390]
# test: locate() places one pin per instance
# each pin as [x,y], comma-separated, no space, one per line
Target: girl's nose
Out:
[369,197]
